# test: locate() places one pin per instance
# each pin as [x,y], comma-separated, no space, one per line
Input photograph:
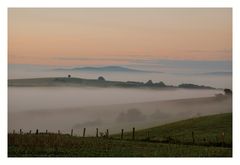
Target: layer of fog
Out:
[41,98]
[77,108]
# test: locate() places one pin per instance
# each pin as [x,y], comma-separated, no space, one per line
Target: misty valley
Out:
[66,108]
[119,82]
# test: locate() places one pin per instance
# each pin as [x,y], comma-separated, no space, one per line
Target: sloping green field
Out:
[207,129]
[171,140]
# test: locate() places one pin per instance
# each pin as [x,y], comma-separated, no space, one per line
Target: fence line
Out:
[169,139]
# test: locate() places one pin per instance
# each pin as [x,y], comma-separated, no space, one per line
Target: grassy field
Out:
[171,140]
[206,130]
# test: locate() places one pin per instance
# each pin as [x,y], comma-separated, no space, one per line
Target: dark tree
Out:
[101,78]
[228,91]
[161,84]
[69,76]
[149,83]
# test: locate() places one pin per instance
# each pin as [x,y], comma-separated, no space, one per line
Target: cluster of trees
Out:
[101,81]
[228,91]
[101,78]
[194,86]
[149,83]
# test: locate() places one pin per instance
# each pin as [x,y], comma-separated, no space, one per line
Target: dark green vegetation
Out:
[171,140]
[193,86]
[205,131]
[100,82]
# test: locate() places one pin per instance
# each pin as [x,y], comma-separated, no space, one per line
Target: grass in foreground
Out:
[30,145]
[206,130]
[66,146]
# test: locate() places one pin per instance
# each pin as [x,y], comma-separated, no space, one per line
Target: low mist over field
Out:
[64,108]
[44,98]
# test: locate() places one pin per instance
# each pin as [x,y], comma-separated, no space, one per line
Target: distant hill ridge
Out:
[106,69]
[100,82]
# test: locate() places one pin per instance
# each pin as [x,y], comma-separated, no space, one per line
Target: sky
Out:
[112,36]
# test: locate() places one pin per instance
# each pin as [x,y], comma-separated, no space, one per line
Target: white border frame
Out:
[5,4]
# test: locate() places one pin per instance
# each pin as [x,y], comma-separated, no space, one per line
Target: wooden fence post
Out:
[84,131]
[223,137]
[59,132]
[46,131]
[20,131]
[193,138]
[107,133]
[97,132]
[14,131]
[36,131]
[133,134]
[148,135]
[71,132]
[122,134]
[30,131]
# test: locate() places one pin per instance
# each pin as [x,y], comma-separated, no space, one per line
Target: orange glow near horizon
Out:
[60,36]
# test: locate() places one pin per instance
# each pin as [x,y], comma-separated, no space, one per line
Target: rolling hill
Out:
[100,82]
[106,69]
